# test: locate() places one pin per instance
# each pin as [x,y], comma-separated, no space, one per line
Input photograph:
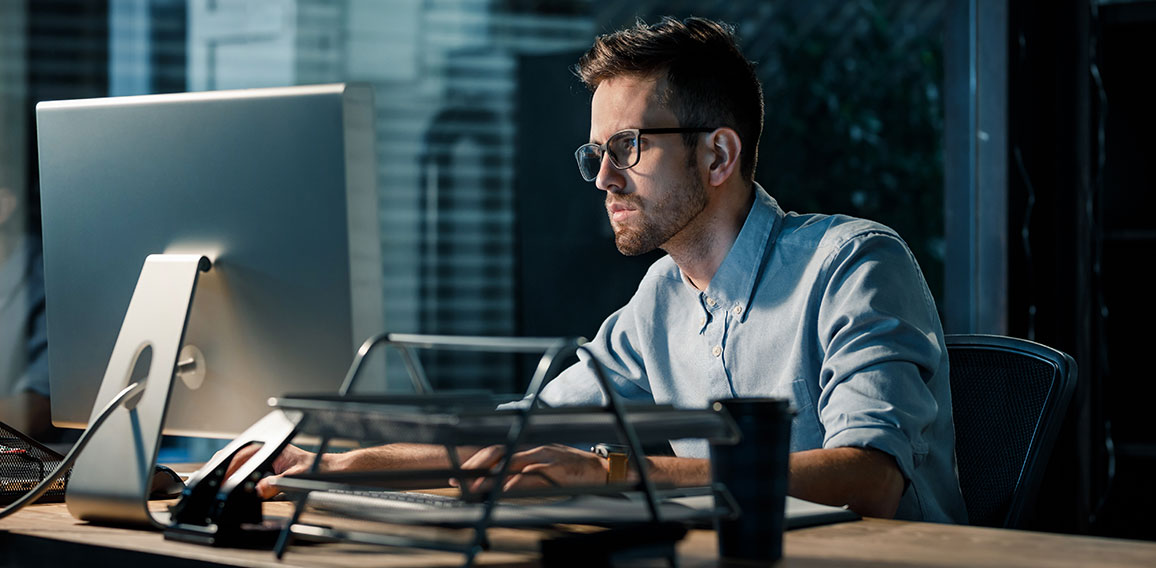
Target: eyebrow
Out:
[594,141]
[600,142]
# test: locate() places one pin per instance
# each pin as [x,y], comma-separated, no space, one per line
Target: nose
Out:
[609,177]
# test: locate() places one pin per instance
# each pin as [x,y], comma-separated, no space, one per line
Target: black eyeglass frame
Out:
[602,149]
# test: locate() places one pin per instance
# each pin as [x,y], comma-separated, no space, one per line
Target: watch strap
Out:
[618,459]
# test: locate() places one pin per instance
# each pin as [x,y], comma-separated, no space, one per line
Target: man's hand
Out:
[292,460]
[543,466]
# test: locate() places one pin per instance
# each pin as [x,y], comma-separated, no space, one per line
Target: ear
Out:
[723,150]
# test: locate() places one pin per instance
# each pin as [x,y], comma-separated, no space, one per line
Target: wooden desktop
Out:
[46,535]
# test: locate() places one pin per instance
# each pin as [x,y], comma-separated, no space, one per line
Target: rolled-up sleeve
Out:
[879,331]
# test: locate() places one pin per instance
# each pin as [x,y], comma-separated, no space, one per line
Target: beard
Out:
[657,222]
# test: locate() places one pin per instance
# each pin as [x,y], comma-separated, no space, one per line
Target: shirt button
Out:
[717,351]
[738,310]
[710,301]
[702,321]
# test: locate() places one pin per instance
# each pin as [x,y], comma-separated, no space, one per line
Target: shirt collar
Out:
[733,284]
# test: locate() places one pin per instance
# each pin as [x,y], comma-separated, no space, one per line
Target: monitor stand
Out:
[111,480]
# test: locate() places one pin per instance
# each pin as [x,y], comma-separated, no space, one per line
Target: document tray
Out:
[380,419]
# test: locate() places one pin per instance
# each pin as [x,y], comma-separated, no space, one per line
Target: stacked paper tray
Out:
[473,420]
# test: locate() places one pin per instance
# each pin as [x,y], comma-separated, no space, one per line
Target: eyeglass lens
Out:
[623,150]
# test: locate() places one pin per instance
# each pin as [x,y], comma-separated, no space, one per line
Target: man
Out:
[24,403]
[831,312]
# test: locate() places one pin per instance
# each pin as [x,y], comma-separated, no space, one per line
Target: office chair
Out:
[1008,398]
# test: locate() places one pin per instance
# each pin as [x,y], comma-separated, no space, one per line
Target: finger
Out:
[533,477]
[289,457]
[265,488]
[486,483]
[485,458]
[301,463]
[517,481]
[543,474]
[517,462]
[480,485]
[240,457]
[521,462]
[295,460]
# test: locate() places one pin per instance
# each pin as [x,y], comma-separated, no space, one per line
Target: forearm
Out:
[664,470]
[295,461]
[866,480]
[393,456]
[670,471]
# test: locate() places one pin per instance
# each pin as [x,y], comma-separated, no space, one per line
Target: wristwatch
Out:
[618,455]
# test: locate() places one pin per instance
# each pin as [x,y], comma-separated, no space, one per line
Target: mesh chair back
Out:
[1008,397]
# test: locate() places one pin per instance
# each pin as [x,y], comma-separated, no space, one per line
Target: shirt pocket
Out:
[806,430]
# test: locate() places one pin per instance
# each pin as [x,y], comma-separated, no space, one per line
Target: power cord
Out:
[68,460]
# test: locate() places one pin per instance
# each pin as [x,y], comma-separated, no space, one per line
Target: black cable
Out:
[68,460]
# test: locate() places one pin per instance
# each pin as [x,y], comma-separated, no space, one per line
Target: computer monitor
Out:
[275,186]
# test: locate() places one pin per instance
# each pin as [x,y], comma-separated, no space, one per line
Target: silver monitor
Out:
[274,186]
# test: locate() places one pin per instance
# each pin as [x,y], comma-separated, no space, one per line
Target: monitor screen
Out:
[274,186]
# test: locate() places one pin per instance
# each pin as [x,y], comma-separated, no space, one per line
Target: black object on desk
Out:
[755,472]
[166,484]
[614,547]
[220,510]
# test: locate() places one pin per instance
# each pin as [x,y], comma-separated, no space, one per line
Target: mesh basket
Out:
[23,463]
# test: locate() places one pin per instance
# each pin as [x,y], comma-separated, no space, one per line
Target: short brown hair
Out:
[709,81]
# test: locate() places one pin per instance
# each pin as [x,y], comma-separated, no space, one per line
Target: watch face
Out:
[604,450]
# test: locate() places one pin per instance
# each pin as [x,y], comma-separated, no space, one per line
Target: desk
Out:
[47,535]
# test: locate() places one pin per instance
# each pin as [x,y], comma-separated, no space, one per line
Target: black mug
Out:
[754,471]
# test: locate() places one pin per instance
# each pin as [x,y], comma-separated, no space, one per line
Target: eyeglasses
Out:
[622,147]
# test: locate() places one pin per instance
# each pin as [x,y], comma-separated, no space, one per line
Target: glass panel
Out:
[478,242]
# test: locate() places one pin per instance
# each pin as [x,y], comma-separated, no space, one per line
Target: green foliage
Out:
[855,125]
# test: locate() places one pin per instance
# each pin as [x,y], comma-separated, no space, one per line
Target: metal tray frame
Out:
[445,419]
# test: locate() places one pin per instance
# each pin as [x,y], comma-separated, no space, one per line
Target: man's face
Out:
[650,203]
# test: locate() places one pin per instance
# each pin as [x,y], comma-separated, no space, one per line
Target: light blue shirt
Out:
[23,335]
[830,312]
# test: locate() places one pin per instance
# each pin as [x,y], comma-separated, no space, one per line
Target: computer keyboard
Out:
[425,508]
[383,500]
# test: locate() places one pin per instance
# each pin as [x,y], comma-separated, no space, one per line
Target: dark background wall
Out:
[1081,116]
[570,275]
[854,92]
